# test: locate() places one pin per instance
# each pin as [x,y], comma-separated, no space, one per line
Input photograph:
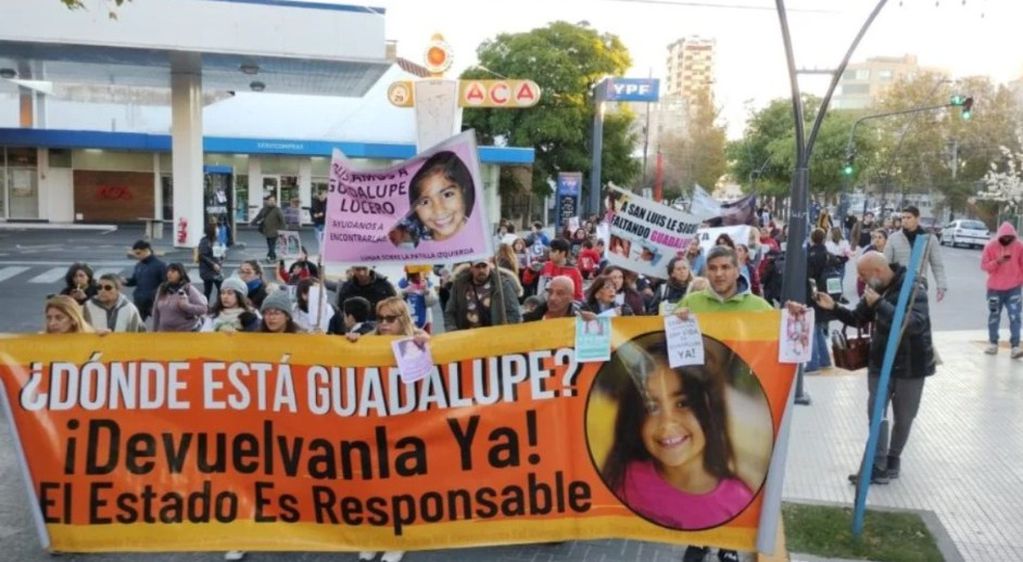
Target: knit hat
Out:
[235,284]
[278,300]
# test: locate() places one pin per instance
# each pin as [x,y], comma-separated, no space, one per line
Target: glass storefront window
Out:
[60,158]
[19,183]
[241,198]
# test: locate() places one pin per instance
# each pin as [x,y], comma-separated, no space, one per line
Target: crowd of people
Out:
[532,278]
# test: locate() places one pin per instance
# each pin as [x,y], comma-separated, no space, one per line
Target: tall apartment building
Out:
[864,82]
[690,68]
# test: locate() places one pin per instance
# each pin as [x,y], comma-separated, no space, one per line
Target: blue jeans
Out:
[1010,299]
[819,357]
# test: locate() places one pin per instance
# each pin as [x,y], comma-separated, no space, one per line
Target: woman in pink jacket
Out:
[1003,261]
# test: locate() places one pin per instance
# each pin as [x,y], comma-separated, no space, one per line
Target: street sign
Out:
[400,93]
[498,93]
[633,89]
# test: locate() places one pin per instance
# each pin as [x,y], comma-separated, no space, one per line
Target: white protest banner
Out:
[685,342]
[738,233]
[644,234]
[326,312]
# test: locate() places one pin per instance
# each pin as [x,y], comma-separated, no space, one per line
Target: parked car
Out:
[931,225]
[965,231]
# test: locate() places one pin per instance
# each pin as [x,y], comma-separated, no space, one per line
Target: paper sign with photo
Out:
[796,342]
[592,339]
[289,244]
[414,361]
[685,341]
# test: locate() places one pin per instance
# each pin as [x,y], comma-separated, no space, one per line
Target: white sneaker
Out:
[991,349]
[393,556]
[1017,352]
[364,555]
[234,555]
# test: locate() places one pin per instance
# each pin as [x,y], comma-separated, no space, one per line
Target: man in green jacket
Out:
[728,292]
[270,220]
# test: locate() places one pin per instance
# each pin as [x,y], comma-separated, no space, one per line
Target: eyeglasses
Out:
[107,288]
[388,319]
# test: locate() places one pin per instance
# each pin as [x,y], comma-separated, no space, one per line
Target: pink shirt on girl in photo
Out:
[652,497]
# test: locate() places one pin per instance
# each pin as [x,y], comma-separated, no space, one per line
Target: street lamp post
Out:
[794,281]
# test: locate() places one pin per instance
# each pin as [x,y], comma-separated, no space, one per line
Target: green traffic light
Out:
[848,170]
[957,100]
[967,115]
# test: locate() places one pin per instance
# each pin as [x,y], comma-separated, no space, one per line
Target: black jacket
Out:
[318,211]
[538,312]
[207,261]
[915,355]
[147,277]
[378,289]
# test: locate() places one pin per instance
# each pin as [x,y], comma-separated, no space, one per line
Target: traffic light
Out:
[848,169]
[957,100]
[967,109]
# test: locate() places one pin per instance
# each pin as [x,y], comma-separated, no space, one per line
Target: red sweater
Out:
[550,270]
[588,261]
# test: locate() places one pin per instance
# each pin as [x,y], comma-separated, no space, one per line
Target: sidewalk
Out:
[964,460]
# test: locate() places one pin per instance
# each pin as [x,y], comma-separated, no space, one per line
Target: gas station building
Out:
[102,120]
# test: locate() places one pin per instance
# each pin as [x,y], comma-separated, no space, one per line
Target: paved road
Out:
[33,263]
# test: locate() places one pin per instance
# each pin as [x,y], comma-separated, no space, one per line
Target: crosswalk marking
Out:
[10,271]
[51,275]
[193,274]
[101,272]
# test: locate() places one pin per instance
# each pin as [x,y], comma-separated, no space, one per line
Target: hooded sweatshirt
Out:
[1003,274]
[709,301]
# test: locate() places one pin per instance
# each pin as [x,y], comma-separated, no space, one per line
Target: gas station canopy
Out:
[236,45]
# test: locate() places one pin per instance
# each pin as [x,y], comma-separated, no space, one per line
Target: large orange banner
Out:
[300,442]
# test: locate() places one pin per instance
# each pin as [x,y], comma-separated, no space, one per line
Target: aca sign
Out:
[633,89]
[498,93]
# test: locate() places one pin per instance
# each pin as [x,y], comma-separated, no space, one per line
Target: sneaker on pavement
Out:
[694,554]
[234,555]
[393,556]
[367,555]
[893,467]
[991,349]
[1017,352]
[877,476]
[728,555]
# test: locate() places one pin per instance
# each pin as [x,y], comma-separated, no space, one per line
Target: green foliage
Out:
[565,60]
[699,156]
[767,152]
[826,531]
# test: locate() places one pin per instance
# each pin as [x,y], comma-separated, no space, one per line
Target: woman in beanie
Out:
[179,306]
[232,311]
[277,315]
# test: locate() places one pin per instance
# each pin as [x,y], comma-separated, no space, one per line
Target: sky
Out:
[965,37]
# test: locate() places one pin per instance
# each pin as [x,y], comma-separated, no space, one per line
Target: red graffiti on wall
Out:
[114,193]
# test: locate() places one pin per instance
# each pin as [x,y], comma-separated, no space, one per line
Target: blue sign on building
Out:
[633,89]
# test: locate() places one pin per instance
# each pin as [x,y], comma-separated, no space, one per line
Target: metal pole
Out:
[598,147]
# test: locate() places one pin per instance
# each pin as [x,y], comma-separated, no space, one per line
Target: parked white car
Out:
[965,231]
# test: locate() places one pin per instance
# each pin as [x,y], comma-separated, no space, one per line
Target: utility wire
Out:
[723,6]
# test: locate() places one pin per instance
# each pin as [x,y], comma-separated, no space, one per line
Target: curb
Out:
[56,226]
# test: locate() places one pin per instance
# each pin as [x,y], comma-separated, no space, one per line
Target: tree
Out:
[697,157]
[766,155]
[566,60]
[1003,182]
[918,151]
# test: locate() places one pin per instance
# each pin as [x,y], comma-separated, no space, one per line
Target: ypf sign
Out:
[633,89]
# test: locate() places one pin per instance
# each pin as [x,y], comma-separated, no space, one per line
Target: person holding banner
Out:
[64,316]
[558,304]
[232,311]
[278,315]
[726,293]
[914,358]
[477,301]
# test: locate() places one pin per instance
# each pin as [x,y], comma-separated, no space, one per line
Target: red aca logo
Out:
[113,193]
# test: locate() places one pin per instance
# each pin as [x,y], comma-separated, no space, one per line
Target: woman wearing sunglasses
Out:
[393,319]
[111,311]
